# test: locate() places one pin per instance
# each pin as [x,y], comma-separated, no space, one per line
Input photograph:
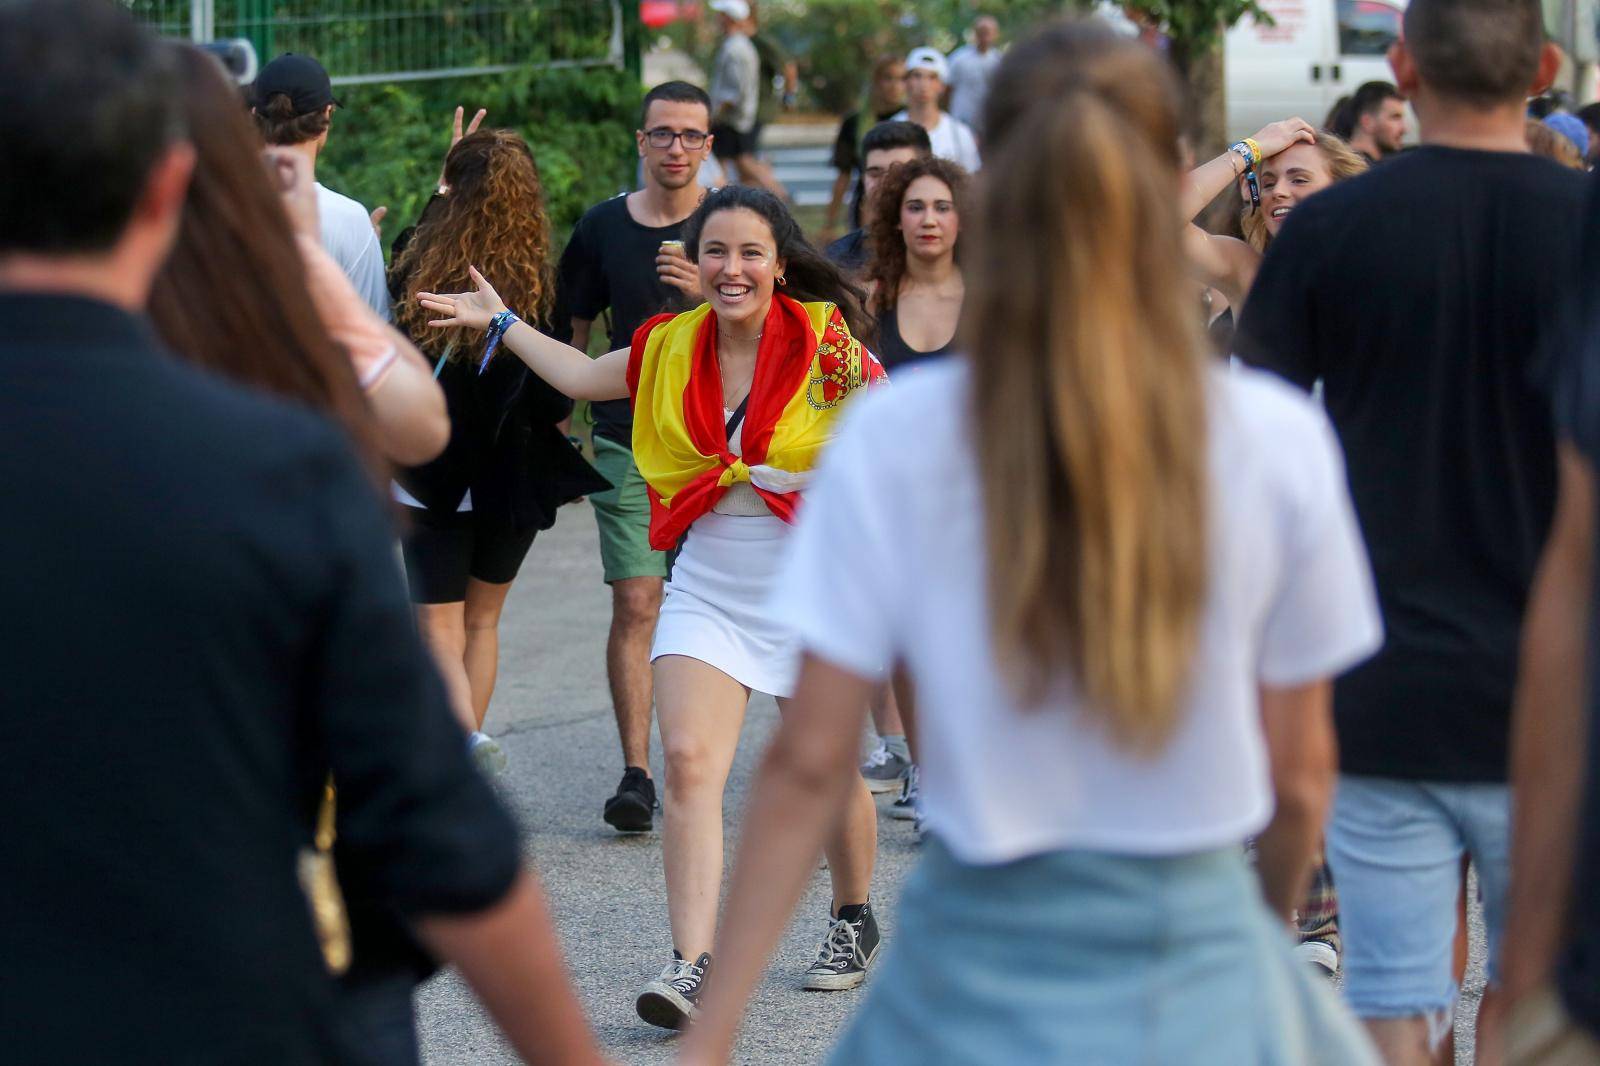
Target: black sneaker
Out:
[631,809]
[848,949]
[671,999]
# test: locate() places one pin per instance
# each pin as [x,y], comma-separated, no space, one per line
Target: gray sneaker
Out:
[905,808]
[487,753]
[883,770]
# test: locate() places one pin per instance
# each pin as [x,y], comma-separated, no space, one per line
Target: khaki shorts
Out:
[622,515]
[1540,1033]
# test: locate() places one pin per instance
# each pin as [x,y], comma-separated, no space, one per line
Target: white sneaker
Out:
[1318,953]
[487,753]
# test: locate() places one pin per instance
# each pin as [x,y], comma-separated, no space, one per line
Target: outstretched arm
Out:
[567,369]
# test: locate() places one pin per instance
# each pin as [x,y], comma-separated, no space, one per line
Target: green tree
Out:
[1196,29]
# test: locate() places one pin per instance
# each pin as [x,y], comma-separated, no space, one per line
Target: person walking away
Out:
[732,403]
[238,634]
[952,139]
[474,511]
[736,97]
[1121,615]
[1392,292]
[1548,1013]
[625,260]
[971,67]
[885,95]
[293,104]
[885,146]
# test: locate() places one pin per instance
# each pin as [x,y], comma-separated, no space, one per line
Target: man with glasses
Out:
[626,259]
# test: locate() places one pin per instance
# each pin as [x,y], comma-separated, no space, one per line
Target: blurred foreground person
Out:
[1395,293]
[217,628]
[1130,681]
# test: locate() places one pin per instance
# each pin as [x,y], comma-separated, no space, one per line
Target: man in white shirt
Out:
[293,107]
[971,67]
[926,74]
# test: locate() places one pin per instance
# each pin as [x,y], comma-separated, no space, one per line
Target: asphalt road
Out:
[553,715]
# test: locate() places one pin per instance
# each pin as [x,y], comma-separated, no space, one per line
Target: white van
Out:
[1316,52]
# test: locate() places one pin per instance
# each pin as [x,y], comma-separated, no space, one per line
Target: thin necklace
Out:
[725,335]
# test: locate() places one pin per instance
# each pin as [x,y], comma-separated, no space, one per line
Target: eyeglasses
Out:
[661,137]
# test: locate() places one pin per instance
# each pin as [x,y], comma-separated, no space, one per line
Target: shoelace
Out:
[682,975]
[839,948]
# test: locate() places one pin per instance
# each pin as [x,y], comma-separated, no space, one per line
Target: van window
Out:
[1368,27]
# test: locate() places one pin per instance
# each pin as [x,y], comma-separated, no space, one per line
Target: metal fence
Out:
[363,41]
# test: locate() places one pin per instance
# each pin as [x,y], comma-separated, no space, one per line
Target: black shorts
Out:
[728,142]
[443,552]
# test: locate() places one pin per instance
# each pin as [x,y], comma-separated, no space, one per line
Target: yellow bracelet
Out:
[1255,150]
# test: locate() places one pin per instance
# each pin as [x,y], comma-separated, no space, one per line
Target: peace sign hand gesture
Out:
[456,133]
[470,309]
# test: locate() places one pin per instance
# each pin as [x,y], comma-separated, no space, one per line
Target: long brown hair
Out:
[494,219]
[232,296]
[1343,163]
[886,267]
[1089,380]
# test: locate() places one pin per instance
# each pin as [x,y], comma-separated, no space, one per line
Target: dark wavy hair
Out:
[493,218]
[810,276]
[886,267]
[280,124]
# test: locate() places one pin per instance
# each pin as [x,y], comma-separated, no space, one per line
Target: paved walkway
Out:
[553,714]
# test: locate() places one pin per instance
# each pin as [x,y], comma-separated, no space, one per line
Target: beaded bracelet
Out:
[497,329]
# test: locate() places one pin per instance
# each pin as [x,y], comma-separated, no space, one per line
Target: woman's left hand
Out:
[471,309]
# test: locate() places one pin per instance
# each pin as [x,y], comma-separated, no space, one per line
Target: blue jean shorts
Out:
[1395,849]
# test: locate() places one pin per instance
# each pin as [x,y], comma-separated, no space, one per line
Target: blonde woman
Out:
[1120,614]
[1295,162]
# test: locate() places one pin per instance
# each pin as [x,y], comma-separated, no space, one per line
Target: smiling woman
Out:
[733,401]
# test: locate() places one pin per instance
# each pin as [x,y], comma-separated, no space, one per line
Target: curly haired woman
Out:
[476,508]
[916,282]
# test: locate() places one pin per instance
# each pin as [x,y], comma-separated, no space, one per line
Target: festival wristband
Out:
[1255,151]
[1242,150]
[1255,189]
[497,329]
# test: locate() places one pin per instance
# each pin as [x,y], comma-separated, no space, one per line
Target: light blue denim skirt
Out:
[1096,960]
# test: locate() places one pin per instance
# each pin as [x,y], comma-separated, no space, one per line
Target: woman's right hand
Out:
[1278,136]
[471,309]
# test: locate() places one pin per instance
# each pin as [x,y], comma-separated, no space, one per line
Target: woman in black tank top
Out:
[914,274]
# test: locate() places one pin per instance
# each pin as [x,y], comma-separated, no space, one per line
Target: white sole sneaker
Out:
[664,1006]
[838,982]
[1319,954]
[882,786]
[487,753]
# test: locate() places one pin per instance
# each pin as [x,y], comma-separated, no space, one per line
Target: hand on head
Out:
[1278,136]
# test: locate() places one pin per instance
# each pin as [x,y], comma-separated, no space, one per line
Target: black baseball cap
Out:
[302,79]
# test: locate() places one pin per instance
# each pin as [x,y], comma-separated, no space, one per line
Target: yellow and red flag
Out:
[806,365]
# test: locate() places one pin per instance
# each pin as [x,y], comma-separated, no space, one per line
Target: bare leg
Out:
[443,628]
[1401,1041]
[754,171]
[905,698]
[484,603]
[635,602]
[701,711]
[886,714]
[852,846]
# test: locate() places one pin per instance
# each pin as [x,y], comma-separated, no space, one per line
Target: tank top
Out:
[893,351]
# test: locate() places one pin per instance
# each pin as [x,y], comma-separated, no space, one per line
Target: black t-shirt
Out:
[1419,294]
[610,264]
[847,159]
[226,570]
[1577,406]
[849,251]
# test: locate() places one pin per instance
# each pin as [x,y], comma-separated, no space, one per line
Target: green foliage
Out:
[388,144]
[1195,26]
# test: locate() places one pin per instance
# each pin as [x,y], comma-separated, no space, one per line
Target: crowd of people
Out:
[1210,598]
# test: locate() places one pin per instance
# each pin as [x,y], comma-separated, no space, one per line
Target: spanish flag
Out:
[806,365]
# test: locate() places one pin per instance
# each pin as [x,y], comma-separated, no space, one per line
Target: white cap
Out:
[737,10]
[920,59]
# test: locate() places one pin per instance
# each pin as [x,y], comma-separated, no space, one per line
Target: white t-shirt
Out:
[952,140]
[347,235]
[887,565]
[970,71]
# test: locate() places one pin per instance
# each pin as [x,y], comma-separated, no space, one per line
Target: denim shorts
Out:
[1095,960]
[1395,848]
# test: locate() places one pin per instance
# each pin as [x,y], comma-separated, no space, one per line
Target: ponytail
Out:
[1088,354]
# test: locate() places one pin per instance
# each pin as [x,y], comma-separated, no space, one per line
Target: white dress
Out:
[718,605]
